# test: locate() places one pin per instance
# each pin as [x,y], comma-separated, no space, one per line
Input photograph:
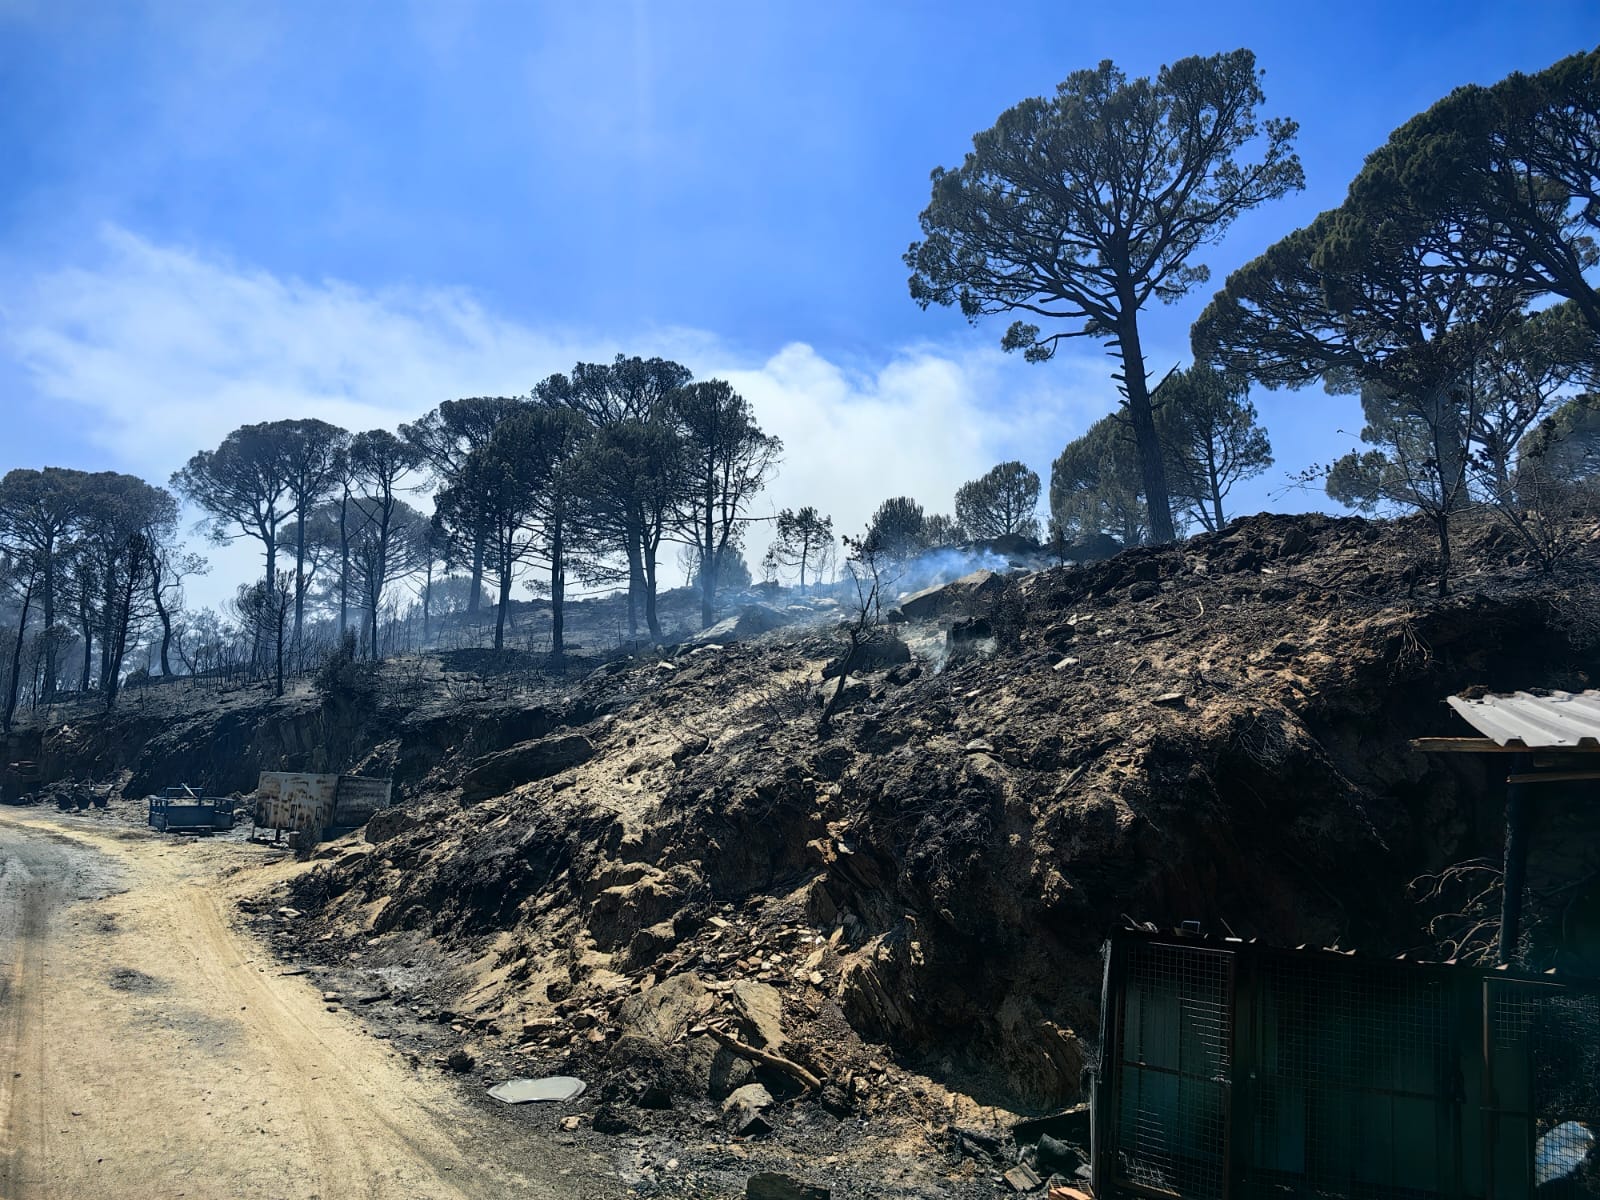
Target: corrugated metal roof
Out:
[1554,720]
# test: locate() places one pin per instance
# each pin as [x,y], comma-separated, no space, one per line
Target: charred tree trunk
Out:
[635,580]
[1441,523]
[278,608]
[344,565]
[652,622]
[558,591]
[479,541]
[162,614]
[16,656]
[86,627]
[1152,467]
[502,605]
[427,600]
[47,691]
[300,575]
[709,557]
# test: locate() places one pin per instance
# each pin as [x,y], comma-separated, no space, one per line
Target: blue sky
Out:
[212,213]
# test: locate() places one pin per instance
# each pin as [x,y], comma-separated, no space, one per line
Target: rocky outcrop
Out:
[966,594]
[498,773]
[749,622]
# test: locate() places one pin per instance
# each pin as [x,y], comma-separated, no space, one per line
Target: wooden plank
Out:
[1554,777]
[1482,745]
[1463,745]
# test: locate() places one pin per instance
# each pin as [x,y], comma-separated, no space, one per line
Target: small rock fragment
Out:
[1023,1178]
[773,1185]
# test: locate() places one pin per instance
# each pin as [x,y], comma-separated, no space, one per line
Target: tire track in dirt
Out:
[341,1101]
[215,1077]
[27,892]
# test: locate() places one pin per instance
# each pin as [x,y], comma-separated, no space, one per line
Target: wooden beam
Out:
[1482,745]
[1463,745]
[1553,777]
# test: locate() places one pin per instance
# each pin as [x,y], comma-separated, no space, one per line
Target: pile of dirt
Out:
[662,878]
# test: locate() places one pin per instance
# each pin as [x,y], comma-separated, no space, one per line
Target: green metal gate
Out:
[1236,1070]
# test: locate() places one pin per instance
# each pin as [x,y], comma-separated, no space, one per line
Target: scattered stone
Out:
[837,1100]
[1056,1157]
[386,824]
[460,1061]
[773,1185]
[1023,1178]
[854,690]
[570,1124]
[654,1096]
[607,1120]
[1060,635]
[1170,700]
[878,653]
[760,1007]
[743,1108]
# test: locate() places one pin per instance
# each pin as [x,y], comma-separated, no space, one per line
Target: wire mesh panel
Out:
[1173,1067]
[1235,1070]
[1355,1091]
[1544,1064]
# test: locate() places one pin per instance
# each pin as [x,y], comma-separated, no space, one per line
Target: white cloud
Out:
[153,352]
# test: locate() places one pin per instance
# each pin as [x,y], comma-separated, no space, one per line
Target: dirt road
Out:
[147,1049]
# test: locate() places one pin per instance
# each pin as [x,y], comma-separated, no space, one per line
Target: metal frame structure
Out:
[1232,1070]
[182,809]
[1554,737]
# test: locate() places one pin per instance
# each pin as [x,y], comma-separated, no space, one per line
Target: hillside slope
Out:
[1214,731]
[910,904]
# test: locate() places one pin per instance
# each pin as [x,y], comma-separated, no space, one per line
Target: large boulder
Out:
[964,594]
[760,1009]
[659,1015]
[878,653]
[750,621]
[388,823]
[497,774]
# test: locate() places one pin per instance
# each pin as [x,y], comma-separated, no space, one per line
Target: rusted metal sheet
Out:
[298,800]
[293,800]
[1551,721]
[356,799]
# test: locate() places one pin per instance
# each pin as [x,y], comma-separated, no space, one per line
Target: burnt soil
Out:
[584,874]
